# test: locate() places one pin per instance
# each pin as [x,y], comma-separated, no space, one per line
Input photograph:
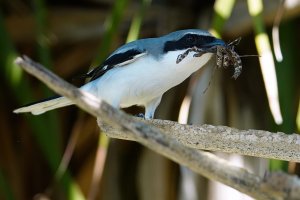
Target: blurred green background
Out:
[63,154]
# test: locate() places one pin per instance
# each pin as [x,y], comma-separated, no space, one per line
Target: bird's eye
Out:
[190,39]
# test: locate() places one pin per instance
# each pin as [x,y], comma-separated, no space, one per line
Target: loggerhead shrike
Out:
[140,72]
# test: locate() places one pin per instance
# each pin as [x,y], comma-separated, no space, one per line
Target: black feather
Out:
[111,62]
[192,40]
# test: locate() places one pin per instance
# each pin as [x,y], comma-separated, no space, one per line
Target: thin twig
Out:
[203,163]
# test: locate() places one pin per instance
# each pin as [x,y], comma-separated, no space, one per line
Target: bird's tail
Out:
[45,105]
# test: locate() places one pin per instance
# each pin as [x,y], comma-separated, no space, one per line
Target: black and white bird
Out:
[140,72]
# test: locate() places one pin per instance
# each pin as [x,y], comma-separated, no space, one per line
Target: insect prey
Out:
[225,56]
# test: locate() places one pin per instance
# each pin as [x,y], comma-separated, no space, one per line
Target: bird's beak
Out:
[216,42]
[210,47]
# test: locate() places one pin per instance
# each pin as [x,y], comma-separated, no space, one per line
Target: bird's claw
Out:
[140,115]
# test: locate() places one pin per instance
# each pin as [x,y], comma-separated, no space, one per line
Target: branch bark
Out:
[120,125]
[256,143]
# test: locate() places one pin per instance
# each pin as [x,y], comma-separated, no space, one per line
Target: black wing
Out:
[115,60]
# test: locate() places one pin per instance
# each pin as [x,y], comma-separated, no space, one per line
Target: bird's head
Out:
[185,39]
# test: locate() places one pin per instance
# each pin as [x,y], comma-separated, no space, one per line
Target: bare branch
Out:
[256,143]
[154,138]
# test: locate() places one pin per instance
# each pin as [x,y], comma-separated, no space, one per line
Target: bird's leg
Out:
[140,115]
[150,107]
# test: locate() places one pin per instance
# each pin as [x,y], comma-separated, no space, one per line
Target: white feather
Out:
[39,108]
[131,61]
[145,79]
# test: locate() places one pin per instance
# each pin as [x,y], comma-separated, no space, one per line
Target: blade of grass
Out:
[137,21]
[50,137]
[266,60]
[111,26]
[5,189]
[102,148]
[287,76]
[267,65]
[275,31]
[41,31]
[222,11]
[287,84]
[11,73]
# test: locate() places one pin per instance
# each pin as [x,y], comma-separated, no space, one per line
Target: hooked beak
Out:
[216,42]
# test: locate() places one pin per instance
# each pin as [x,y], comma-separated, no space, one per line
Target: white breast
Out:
[139,82]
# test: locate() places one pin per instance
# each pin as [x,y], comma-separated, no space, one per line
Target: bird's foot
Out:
[141,115]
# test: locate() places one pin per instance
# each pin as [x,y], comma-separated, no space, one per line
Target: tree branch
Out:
[256,143]
[162,140]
